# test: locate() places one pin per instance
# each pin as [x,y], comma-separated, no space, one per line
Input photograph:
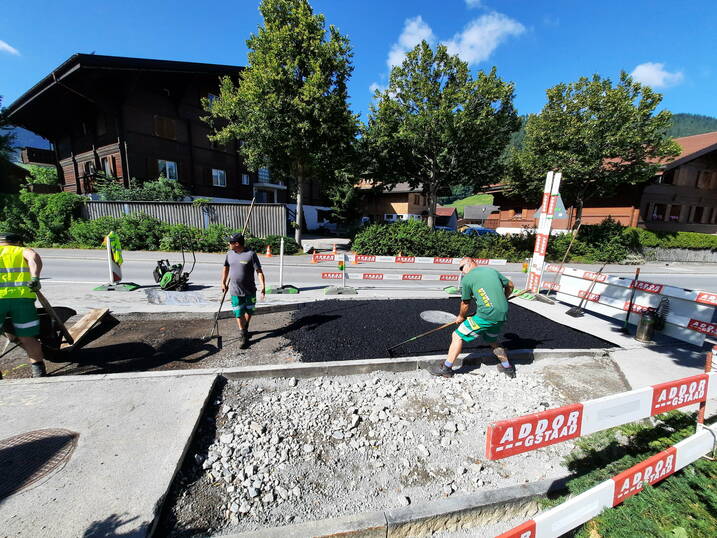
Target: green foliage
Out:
[90,233]
[161,190]
[601,137]
[691,124]
[435,126]
[684,504]
[12,214]
[46,218]
[289,109]
[415,238]
[44,175]
[692,240]
[7,137]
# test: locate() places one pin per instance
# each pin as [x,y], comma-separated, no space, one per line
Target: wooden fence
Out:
[266,219]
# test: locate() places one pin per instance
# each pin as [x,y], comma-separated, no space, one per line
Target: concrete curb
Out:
[334,368]
[453,513]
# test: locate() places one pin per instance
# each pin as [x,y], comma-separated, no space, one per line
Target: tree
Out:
[289,108]
[45,175]
[436,127]
[7,145]
[601,137]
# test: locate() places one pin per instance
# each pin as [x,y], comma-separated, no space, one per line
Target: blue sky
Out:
[536,44]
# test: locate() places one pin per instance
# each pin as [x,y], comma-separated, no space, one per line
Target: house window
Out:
[164,127]
[88,168]
[219,178]
[675,211]
[168,169]
[697,217]
[264,175]
[658,212]
[108,166]
[245,179]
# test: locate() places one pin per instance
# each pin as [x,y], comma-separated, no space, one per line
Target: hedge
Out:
[605,242]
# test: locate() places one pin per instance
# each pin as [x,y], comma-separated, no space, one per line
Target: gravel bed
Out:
[285,451]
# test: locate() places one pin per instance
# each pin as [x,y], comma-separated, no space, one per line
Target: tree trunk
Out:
[299,204]
[432,201]
[578,213]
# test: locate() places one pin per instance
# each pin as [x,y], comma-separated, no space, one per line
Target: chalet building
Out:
[138,118]
[681,197]
[392,204]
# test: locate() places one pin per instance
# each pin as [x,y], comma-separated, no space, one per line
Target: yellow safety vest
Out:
[14,274]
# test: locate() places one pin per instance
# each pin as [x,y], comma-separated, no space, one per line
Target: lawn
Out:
[476,199]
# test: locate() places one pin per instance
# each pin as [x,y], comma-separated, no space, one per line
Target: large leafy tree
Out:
[601,136]
[289,108]
[436,126]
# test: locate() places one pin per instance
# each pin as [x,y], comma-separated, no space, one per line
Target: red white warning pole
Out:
[703,405]
[542,235]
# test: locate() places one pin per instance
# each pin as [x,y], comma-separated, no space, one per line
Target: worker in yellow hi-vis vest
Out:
[19,280]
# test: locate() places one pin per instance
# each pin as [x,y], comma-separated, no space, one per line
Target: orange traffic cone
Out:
[268,251]
[334,251]
[354,259]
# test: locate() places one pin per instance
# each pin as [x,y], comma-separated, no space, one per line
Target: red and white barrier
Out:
[581,509]
[517,435]
[690,313]
[545,223]
[390,276]
[363,258]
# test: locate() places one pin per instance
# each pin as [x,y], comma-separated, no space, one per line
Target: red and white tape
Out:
[522,434]
[390,276]
[581,509]
[363,258]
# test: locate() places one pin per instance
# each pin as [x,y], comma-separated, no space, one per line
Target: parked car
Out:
[479,230]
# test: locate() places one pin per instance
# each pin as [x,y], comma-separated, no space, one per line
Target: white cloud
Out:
[5,47]
[415,30]
[654,75]
[376,87]
[473,3]
[482,36]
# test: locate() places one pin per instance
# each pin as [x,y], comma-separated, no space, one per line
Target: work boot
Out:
[509,371]
[441,370]
[38,369]
[244,339]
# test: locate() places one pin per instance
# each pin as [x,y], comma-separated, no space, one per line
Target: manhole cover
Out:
[31,456]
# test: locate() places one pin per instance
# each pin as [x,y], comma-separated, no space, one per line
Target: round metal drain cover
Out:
[32,456]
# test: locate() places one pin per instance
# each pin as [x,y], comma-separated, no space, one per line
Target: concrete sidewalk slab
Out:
[133,434]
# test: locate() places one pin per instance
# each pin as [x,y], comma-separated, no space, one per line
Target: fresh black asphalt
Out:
[353,330]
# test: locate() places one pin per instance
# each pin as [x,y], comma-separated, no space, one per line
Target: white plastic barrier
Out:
[389,276]
[691,311]
[522,434]
[363,258]
[581,509]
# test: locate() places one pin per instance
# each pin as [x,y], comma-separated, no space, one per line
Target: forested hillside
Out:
[692,124]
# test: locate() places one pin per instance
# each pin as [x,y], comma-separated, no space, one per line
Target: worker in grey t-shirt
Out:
[238,277]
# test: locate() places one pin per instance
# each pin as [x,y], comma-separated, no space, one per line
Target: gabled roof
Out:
[445,211]
[478,211]
[693,147]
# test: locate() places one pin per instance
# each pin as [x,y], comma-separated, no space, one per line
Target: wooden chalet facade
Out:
[681,197]
[139,118]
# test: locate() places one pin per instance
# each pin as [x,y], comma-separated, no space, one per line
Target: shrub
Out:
[90,233]
[138,231]
[161,190]
[692,240]
[47,217]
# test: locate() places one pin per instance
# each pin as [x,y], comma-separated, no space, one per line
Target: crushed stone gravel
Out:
[282,451]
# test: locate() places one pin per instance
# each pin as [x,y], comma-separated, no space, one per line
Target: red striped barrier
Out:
[581,509]
[391,276]
[363,258]
[522,434]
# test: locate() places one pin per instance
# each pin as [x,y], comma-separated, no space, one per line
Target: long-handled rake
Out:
[433,315]
[215,327]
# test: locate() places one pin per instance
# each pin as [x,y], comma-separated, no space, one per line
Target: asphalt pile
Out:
[354,330]
[288,450]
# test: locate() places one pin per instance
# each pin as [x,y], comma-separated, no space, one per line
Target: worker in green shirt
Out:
[490,290]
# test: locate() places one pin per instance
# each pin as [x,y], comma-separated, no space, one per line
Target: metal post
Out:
[703,405]
[343,272]
[281,263]
[109,261]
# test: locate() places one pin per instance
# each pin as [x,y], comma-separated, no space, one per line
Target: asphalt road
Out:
[90,267]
